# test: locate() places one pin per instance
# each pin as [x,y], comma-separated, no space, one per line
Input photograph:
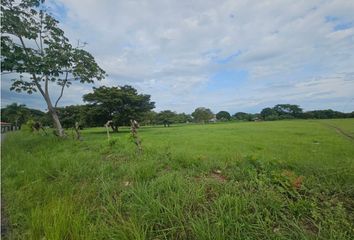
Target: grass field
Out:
[255,180]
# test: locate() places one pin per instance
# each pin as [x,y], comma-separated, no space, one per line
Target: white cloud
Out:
[171,49]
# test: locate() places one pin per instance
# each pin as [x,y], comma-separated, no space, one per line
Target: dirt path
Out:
[340,131]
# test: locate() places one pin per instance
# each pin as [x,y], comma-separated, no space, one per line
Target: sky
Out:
[224,55]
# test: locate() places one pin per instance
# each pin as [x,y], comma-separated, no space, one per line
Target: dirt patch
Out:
[309,226]
[116,158]
[167,168]
[217,175]
[210,194]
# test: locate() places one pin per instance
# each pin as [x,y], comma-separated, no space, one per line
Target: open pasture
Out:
[254,180]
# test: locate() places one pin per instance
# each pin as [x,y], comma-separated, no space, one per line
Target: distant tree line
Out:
[289,111]
[18,114]
[120,104]
[33,43]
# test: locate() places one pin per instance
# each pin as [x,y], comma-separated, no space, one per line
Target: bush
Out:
[28,126]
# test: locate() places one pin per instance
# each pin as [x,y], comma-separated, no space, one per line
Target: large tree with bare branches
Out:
[35,48]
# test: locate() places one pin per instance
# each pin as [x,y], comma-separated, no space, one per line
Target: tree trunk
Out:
[56,122]
[57,125]
[114,128]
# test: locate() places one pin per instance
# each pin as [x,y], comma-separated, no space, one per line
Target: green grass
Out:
[256,180]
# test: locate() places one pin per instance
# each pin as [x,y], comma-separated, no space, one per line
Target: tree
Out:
[269,114]
[19,114]
[288,110]
[183,118]
[16,114]
[119,104]
[202,114]
[166,117]
[149,118]
[37,115]
[94,116]
[69,115]
[223,115]
[325,114]
[243,116]
[33,44]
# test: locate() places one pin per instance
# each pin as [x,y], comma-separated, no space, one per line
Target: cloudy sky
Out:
[225,55]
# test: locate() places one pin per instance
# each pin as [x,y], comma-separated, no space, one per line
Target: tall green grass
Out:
[259,180]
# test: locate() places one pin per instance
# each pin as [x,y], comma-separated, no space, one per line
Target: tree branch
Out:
[39,49]
[29,61]
[40,35]
[46,86]
[62,89]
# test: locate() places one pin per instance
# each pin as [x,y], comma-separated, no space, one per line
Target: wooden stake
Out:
[107,125]
[134,126]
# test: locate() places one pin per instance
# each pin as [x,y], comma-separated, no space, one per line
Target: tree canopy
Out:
[202,114]
[166,117]
[35,49]
[269,114]
[223,116]
[119,104]
[19,114]
[287,110]
[243,116]
[282,111]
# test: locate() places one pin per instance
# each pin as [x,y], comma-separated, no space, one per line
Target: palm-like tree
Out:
[15,113]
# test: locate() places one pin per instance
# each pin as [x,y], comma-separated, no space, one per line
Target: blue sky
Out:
[225,55]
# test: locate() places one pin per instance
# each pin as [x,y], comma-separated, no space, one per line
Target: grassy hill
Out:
[254,180]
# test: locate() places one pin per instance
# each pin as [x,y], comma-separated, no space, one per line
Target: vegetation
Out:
[223,116]
[168,117]
[229,180]
[242,116]
[18,114]
[33,44]
[256,180]
[202,114]
[119,104]
[289,111]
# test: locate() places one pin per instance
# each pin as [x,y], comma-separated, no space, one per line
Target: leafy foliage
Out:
[35,48]
[289,111]
[19,114]
[119,104]
[69,115]
[166,117]
[223,116]
[243,116]
[42,51]
[202,114]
